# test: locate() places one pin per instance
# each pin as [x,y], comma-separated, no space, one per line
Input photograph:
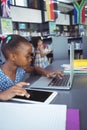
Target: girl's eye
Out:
[28,56]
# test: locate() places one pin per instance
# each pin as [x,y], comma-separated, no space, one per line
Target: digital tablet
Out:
[37,96]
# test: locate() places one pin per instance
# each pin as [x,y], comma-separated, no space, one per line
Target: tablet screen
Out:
[37,96]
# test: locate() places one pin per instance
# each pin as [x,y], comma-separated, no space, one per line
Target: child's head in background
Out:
[37,42]
[17,50]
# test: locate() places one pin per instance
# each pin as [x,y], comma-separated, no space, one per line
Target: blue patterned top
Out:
[6,82]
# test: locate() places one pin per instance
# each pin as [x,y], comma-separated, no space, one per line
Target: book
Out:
[80,63]
[73,119]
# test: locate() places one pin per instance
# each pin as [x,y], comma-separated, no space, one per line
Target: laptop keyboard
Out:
[56,81]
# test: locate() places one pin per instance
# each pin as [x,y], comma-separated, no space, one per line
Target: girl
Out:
[39,53]
[17,52]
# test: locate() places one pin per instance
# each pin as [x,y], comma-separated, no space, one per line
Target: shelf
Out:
[80,44]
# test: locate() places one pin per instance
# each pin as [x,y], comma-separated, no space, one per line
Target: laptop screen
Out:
[71,62]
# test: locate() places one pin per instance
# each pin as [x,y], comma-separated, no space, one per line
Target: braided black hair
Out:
[11,42]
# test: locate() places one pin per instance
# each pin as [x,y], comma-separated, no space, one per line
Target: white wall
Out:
[62,19]
[34,16]
[25,15]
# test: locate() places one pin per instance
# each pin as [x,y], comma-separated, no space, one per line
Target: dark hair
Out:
[35,40]
[11,42]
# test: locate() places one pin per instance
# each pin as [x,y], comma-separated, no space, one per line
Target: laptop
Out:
[65,83]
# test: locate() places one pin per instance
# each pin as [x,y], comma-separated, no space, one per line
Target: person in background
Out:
[17,52]
[40,56]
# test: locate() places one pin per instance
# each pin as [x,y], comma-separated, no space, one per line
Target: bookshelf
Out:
[80,45]
[48,28]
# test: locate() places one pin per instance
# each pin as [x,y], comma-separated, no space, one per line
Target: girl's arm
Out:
[37,70]
[47,73]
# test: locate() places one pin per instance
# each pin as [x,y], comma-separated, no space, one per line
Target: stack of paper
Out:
[77,69]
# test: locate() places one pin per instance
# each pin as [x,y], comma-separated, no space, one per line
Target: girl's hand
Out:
[13,91]
[54,73]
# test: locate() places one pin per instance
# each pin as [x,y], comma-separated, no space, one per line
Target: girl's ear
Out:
[12,57]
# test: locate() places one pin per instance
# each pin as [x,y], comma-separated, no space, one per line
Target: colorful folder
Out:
[73,119]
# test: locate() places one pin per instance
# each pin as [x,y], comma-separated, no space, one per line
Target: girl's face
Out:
[23,55]
[40,44]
